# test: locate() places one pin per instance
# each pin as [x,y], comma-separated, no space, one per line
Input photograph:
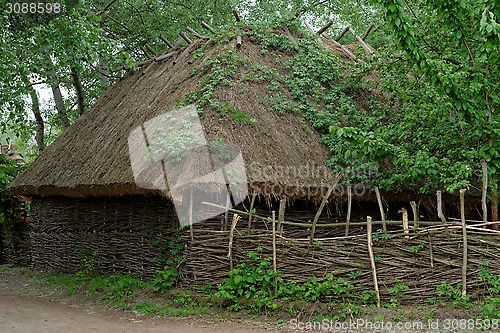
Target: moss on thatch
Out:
[92,159]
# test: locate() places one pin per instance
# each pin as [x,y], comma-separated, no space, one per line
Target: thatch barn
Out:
[85,194]
[180,140]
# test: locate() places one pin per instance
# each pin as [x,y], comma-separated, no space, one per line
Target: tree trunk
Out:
[35,107]
[80,97]
[56,91]
[494,203]
[104,72]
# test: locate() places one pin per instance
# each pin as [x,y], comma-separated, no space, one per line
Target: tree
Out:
[455,45]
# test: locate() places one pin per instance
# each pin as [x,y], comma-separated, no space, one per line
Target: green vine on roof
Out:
[373,115]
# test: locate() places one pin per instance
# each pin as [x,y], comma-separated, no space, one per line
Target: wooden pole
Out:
[318,40]
[281,215]
[323,203]
[367,32]
[274,252]
[166,41]
[191,215]
[346,29]
[236,16]
[164,56]
[415,213]
[226,214]
[206,26]
[372,258]
[430,249]
[288,33]
[236,218]
[194,33]
[405,222]
[252,202]
[349,205]
[381,207]
[150,49]
[344,49]
[440,212]
[367,49]
[484,190]
[326,26]
[464,236]
[184,53]
[185,37]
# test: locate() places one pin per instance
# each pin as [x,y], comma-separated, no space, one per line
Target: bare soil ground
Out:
[27,304]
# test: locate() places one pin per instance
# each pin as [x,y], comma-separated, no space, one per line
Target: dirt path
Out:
[27,308]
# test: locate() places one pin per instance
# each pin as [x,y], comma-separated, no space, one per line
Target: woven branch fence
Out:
[438,259]
[119,235]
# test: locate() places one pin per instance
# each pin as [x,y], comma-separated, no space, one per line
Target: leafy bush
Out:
[164,279]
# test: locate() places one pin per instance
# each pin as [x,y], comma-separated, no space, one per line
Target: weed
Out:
[165,278]
[145,308]
[417,248]
[454,294]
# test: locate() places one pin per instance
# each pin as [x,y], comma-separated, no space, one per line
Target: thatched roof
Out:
[92,158]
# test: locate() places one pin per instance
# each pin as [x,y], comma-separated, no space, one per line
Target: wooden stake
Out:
[326,26]
[236,16]
[166,41]
[185,37]
[415,213]
[344,49]
[323,203]
[191,215]
[281,215]
[464,236]
[440,213]
[150,49]
[367,32]
[226,214]
[236,218]
[367,49]
[164,56]
[484,190]
[254,194]
[405,222]
[372,258]
[274,251]
[184,53]
[318,40]
[381,207]
[206,26]
[430,249]
[194,33]
[346,29]
[349,204]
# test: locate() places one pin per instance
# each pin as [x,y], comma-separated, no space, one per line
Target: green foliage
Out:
[255,281]
[417,248]
[491,305]
[380,235]
[397,291]
[462,64]
[9,204]
[171,257]
[145,308]
[453,294]
[164,279]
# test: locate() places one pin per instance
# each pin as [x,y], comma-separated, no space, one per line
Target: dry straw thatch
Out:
[91,158]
